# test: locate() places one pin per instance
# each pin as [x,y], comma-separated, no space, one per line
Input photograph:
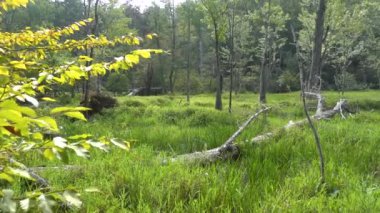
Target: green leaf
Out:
[46,122]
[60,142]
[92,189]
[4,71]
[76,137]
[98,145]
[18,65]
[25,204]
[49,154]
[5,176]
[142,53]
[68,109]
[31,100]
[130,58]
[79,151]
[84,58]
[77,115]
[48,99]
[120,145]
[72,199]
[19,172]
[11,115]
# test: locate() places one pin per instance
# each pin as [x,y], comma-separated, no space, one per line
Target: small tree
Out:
[24,75]
[216,18]
[271,19]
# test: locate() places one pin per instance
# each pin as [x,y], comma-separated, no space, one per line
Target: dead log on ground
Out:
[228,150]
[40,181]
[340,106]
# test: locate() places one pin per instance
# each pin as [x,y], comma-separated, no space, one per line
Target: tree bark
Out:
[173,51]
[325,115]
[314,77]
[93,30]
[200,52]
[232,56]
[219,76]
[188,61]
[265,60]
[229,150]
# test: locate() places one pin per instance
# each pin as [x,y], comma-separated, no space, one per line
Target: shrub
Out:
[99,101]
[346,81]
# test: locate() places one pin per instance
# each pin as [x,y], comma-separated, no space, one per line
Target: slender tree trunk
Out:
[200,52]
[263,80]
[188,61]
[219,76]
[316,58]
[149,78]
[86,101]
[317,48]
[237,82]
[172,66]
[265,60]
[316,68]
[232,56]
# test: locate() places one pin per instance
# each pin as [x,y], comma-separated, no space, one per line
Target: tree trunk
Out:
[219,76]
[231,151]
[188,62]
[149,78]
[232,56]
[224,152]
[316,62]
[172,66]
[315,81]
[237,82]
[265,60]
[200,52]
[93,30]
[263,81]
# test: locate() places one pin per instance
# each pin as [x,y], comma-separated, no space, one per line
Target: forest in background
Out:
[253,35]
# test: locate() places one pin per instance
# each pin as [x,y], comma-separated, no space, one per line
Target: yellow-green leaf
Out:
[18,65]
[49,154]
[68,109]
[120,145]
[77,115]
[5,176]
[19,172]
[72,199]
[130,58]
[48,99]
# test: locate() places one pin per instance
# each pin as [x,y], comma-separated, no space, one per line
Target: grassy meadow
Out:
[278,176]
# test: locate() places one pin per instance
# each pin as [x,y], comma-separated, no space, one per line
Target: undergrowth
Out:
[278,176]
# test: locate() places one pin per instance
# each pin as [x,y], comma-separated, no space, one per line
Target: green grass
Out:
[279,176]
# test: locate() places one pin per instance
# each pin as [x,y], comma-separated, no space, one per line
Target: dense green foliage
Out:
[26,77]
[351,43]
[60,58]
[280,175]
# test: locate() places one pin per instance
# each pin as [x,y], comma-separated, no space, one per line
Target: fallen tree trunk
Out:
[340,106]
[228,150]
[40,181]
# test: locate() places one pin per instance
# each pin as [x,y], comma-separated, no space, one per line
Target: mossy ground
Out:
[279,176]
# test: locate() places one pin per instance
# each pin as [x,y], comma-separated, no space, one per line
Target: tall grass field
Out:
[281,175]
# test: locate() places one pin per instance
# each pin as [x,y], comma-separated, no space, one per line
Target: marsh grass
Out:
[279,176]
